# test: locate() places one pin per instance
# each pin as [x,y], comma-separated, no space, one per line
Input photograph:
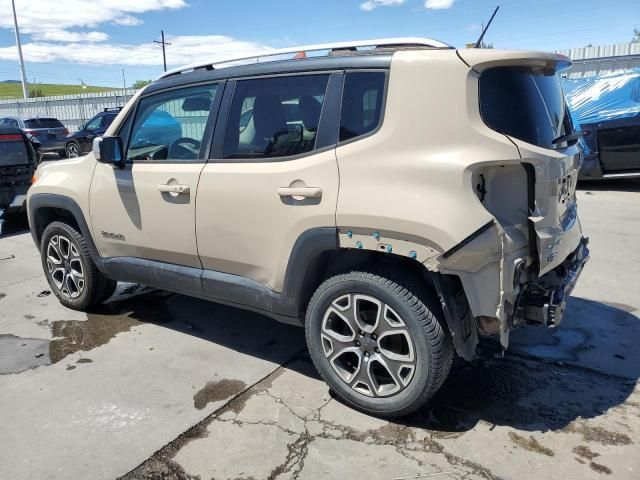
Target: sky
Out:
[75,41]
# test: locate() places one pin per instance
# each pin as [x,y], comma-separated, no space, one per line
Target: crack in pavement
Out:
[411,441]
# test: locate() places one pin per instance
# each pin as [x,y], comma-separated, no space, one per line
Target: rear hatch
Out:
[46,129]
[16,165]
[521,97]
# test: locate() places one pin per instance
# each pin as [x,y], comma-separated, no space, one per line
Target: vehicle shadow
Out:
[547,379]
[14,224]
[610,185]
[239,330]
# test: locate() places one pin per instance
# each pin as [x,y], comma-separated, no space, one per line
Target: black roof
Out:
[339,62]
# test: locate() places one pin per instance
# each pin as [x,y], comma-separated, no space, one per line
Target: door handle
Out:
[178,189]
[304,192]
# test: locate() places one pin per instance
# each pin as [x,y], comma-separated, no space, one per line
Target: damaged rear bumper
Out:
[544,300]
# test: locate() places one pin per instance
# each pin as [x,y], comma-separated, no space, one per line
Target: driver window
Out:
[170,126]
[274,117]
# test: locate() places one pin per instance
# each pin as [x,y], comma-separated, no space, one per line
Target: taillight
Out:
[35,133]
[65,131]
[11,137]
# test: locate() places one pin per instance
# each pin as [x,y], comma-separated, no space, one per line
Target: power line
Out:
[164,44]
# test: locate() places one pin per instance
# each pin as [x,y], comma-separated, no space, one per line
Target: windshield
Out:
[524,103]
[13,150]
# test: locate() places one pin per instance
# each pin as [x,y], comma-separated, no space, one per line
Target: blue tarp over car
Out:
[608,107]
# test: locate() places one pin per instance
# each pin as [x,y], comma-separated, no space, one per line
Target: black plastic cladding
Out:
[365,61]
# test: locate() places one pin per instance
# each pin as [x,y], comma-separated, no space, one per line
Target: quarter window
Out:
[170,126]
[361,104]
[274,117]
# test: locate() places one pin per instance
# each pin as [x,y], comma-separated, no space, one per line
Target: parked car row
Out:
[53,137]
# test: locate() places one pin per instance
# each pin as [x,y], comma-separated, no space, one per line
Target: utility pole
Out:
[25,86]
[124,82]
[164,44]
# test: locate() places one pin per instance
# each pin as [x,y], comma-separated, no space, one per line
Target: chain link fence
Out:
[72,110]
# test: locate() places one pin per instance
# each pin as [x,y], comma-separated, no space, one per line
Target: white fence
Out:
[602,59]
[71,110]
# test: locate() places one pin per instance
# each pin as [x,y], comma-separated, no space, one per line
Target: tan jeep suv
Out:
[397,198]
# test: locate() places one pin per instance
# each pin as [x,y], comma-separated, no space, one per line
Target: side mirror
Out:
[109,150]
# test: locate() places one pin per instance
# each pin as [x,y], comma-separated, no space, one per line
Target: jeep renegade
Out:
[398,198]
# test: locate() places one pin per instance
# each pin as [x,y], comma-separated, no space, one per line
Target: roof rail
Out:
[354,45]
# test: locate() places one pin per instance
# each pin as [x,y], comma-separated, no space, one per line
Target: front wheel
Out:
[377,342]
[70,270]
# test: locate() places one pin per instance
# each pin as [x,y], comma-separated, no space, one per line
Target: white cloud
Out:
[52,20]
[371,4]
[68,37]
[438,4]
[183,50]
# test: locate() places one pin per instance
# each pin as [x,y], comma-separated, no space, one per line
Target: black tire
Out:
[96,288]
[62,153]
[417,310]
[71,150]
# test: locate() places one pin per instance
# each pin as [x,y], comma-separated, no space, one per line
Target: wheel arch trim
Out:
[39,201]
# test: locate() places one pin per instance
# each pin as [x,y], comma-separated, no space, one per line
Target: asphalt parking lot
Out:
[157,385]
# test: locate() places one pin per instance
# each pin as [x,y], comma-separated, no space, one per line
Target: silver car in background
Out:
[49,131]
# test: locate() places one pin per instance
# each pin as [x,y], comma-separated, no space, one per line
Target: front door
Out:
[274,177]
[147,209]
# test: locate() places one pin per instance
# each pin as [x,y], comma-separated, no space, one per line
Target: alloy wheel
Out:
[65,267]
[72,150]
[368,345]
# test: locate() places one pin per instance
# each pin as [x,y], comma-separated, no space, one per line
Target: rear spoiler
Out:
[479,59]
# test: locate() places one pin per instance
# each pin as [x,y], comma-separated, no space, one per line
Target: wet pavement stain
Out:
[585,452]
[600,468]
[2,295]
[71,336]
[28,317]
[217,391]
[84,360]
[530,444]
[599,435]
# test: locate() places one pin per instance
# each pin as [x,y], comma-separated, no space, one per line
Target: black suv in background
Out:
[80,142]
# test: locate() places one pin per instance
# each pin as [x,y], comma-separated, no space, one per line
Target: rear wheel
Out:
[70,270]
[377,342]
[72,150]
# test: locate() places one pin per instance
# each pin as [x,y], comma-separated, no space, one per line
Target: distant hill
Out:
[13,89]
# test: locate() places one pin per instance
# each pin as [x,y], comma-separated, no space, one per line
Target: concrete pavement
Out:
[156,385]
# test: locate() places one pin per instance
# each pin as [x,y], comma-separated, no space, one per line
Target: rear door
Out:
[273,174]
[147,209]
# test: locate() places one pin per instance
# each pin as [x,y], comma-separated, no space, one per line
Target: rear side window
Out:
[362,100]
[524,103]
[10,122]
[107,120]
[274,117]
[13,150]
[43,123]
